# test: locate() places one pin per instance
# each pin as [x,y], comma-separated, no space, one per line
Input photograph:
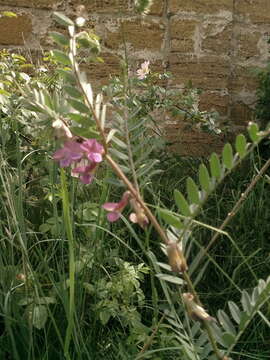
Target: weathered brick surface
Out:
[213,43]
[45,4]
[217,41]
[248,44]
[191,142]
[99,73]
[209,72]
[215,100]
[199,6]
[104,6]
[243,78]
[240,114]
[182,34]
[254,11]
[157,8]
[14,31]
[141,34]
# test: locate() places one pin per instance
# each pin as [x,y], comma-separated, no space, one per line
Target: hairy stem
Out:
[68,227]
[137,196]
[151,338]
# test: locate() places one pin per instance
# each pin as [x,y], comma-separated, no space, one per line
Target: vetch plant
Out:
[88,142]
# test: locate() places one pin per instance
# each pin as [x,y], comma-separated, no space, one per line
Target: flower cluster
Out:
[115,210]
[143,71]
[82,157]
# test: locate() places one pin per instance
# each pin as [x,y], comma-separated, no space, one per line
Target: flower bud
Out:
[21,277]
[139,216]
[61,129]
[176,258]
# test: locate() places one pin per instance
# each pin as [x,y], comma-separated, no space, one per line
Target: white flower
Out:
[80,21]
[143,71]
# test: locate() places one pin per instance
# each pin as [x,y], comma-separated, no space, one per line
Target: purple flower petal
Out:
[95,157]
[86,179]
[93,150]
[110,206]
[113,216]
[70,152]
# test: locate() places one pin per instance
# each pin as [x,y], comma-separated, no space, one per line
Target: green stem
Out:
[69,233]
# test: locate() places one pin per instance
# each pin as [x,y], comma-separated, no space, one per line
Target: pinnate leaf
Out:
[170,219]
[181,203]
[170,278]
[39,316]
[63,19]
[253,132]
[235,311]
[227,156]
[204,178]
[226,322]
[59,38]
[241,145]
[61,57]
[193,191]
[79,106]
[215,166]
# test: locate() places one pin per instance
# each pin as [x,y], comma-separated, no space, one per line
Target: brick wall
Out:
[214,43]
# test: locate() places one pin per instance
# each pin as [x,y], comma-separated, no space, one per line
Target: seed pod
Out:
[176,258]
[195,311]
[139,215]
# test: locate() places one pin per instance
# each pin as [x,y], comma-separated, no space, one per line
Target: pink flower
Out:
[69,153]
[85,172]
[143,71]
[115,209]
[93,150]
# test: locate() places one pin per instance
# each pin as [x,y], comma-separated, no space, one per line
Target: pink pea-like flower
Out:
[69,153]
[85,172]
[115,209]
[93,150]
[144,70]
[138,217]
